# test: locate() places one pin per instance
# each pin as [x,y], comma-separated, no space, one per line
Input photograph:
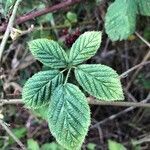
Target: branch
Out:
[9,27]
[112,117]
[12,135]
[41,12]
[123,75]
[91,101]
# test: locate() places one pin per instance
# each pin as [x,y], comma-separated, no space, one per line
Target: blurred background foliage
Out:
[130,131]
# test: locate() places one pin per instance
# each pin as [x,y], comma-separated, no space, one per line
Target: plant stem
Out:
[123,75]
[12,135]
[9,28]
[41,12]
[114,116]
[67,76]
[91,101]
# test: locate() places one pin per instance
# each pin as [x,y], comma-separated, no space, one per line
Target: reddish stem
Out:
[41,12]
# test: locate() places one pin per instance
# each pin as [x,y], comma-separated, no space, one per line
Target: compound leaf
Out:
[38,89]
[144,7]
[84,47]
[49,52]
[120,19]
[100,81]
[69,116]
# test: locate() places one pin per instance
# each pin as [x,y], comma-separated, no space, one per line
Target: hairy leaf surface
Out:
[49,52]
[120,19]
[69,116]
[38,89]
[85,47]
[144,7]
[100,81]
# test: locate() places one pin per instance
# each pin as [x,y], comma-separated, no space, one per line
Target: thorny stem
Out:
[43,11]
[68,73]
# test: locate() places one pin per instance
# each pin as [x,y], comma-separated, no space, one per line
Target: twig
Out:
[9,27]
[123,75]
[120,104]
[145,41]
[147,56]
[12,135]
[91,101]
[119,114]
[12,101]
[43,11]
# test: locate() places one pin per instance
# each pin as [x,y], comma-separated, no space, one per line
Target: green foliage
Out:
[143,81]
[136,145]
[49,52]
[84,47]
[51,146]
[41,112]
[69,116]
[144,7]
[7,5]
[32,145]
[120,20]
[37,90]
[113,145]
[91,146]
[71,18]
[19,133]
[68,111]
[100,81]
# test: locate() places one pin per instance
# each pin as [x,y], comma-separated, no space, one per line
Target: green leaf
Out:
[38,89]
[41,112]
[8,4]
[91,146]
[33,145]
[120,19]
[19,133]
[69,116]
[44,18]
[51,146]
[72,17]
[144,7]
[85,47]
[49,52]
[100,81]
[112,145]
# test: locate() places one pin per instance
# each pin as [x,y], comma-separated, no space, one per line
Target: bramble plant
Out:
[120,20]
[68,111]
